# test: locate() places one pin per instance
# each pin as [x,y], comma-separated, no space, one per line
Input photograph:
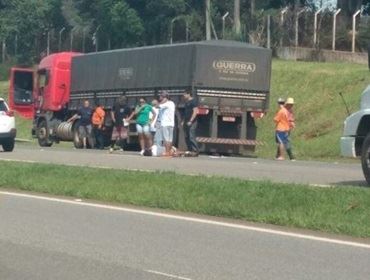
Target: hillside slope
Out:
[319,109]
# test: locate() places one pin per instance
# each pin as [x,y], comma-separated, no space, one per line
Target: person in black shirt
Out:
[84,114]
[190,123]
[119,112]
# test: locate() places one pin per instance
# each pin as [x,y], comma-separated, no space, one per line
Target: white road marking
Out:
[322,185]
[194,220]
[18,160]
[167,275]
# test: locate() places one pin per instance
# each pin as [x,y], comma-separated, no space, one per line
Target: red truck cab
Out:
[46,90]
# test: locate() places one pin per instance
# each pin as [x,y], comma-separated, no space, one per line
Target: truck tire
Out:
[8,145]
[77,142]
[43,134]
[365,158]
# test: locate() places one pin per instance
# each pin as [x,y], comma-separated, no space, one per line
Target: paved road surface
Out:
[247,168]
[44,239]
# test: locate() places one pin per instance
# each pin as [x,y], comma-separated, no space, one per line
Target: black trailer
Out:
[230,80]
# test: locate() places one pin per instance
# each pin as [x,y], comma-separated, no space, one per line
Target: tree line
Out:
[30,28]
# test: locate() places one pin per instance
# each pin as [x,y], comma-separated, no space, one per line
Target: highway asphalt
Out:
[50,238]
[301,172]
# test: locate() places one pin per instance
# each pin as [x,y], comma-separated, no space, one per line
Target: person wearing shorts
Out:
[155,126]
[280,103]
[167,120]
[281,120]
[143,122]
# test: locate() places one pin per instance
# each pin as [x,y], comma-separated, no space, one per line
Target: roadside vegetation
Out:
[340,210]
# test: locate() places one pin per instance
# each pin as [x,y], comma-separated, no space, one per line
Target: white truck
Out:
[355,141]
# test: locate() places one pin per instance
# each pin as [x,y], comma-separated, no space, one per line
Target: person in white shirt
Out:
[155,126]
[167,121]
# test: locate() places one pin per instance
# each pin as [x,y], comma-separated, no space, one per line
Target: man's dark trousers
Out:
[190,137]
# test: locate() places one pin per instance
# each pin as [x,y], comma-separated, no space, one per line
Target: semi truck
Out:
[355,140]
[230,80]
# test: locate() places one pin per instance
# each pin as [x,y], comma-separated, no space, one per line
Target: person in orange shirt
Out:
[280,102]
[98,126]
[283,126]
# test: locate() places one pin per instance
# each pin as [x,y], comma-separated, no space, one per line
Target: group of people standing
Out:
[284,124]
[155,123]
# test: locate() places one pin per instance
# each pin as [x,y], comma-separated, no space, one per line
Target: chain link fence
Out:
[321,31]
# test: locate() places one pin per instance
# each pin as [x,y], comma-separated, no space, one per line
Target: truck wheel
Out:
[365,158]
[43,135]
[8,145]
[77,142]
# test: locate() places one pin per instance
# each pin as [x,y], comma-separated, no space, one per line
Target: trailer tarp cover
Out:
[206,64]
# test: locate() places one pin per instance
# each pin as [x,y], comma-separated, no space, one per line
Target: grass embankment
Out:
[319,109]
[334,210]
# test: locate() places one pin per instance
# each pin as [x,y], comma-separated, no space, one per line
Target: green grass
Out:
[340,210]
[319,109]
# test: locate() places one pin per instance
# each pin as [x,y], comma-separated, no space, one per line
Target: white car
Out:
[7,127]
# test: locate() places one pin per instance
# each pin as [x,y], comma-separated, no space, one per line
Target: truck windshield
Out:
[23,87]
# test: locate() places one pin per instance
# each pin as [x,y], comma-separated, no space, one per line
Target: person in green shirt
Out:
[143,122]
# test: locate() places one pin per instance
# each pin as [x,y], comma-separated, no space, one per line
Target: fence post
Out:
[354,30]
[268,32]
[95,38]
[83,39]
[3,51]
[71,41]
[60,38]
[283,11]
[315,27]
[223,24]
[16,45]
[187,30]
[48,42]
[335,27]
[297,26]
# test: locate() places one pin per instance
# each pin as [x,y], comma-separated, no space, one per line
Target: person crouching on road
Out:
[143,122]
[119,112]
[189,124]
[282,130]
[167,120]
[98,126]
[85,127]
